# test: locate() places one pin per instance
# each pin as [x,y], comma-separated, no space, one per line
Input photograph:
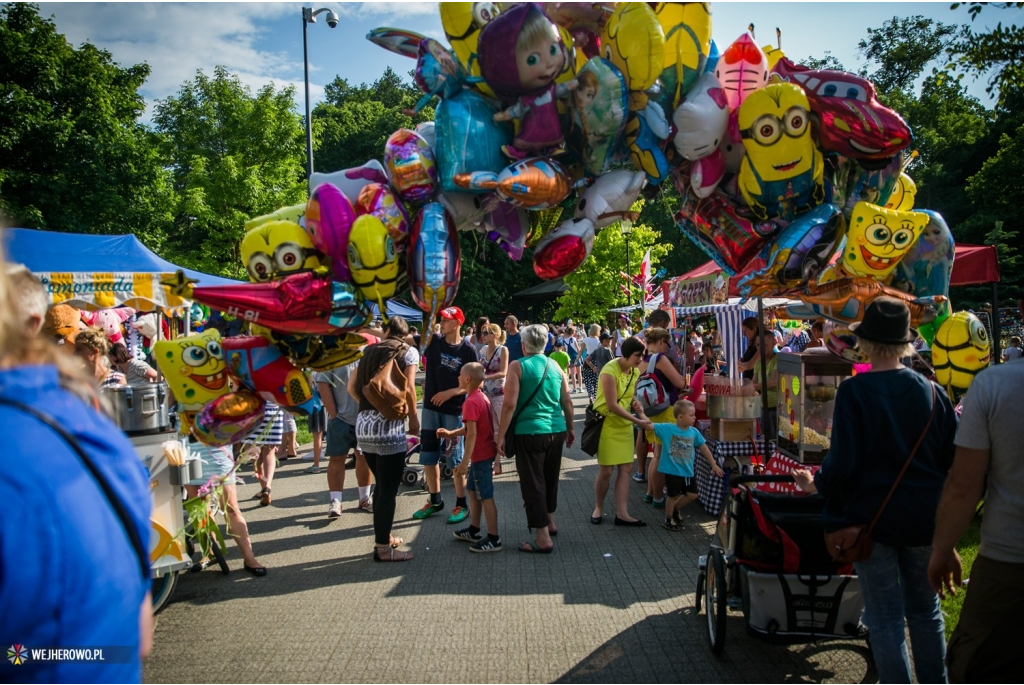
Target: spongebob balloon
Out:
[687,29]
[960,350]
[878,239]
[782,173]
[195,371]
[275,249]
[373,260]
[462,22]
[634,42]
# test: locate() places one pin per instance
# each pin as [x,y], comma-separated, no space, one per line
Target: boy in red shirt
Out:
[481,448]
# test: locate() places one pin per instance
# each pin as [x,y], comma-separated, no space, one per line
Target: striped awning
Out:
[142,291]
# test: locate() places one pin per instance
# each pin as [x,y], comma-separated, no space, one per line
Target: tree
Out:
[999,52]
[595,287]
[829,61]
[490,277]
[233,155]
[73,156]
[903,47]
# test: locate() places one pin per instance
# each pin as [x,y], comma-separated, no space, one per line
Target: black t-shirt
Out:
[748,354]
[443,364]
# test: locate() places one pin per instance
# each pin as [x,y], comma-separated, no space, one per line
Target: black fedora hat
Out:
[887,322]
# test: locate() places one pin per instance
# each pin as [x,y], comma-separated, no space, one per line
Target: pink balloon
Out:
[329,218]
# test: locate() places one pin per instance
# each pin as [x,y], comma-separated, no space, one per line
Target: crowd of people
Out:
[504,395]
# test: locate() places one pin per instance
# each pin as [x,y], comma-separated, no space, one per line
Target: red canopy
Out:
[975,264]
[711,267]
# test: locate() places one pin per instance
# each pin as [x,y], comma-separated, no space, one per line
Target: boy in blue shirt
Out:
[679,440]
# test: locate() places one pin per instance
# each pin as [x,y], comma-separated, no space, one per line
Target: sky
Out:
[262,42]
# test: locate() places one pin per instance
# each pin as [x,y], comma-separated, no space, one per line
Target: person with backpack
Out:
[657,390]
[385,387]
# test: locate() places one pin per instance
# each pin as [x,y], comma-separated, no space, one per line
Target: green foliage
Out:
[595,287]
[490,278]
[73,156]
[233,155]
[903,47]
[829,61]
[998,51]
[967,548]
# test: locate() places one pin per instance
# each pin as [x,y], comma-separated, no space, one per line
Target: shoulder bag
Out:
[853,543]
[387,390]
[594,422]
[510,432]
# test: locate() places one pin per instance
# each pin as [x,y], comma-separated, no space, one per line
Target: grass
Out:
[968,550]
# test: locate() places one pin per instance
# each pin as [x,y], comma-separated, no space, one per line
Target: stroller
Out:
[768,559]
[413,472]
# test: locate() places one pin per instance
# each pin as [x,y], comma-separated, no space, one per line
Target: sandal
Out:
[533,548]
[265,497]
[391,554]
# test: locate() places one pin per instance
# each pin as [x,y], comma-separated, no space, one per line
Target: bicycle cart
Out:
[768,559]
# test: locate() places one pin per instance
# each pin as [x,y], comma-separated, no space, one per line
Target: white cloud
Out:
[389,11]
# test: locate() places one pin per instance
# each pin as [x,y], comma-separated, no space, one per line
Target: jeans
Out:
[387,471]
[894,585]
[430,446]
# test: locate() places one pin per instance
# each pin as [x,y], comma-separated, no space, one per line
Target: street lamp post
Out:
[309,16]
[626,226]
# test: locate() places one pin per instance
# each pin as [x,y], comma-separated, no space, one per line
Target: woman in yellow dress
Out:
[615,449]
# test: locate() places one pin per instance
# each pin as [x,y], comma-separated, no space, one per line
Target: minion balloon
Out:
[782,173]
[960,350]
[373,260]
[275,249]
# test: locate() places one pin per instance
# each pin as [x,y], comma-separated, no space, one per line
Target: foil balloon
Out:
[562,250]
[304,303]
[960,350]
[644,133]
[194,369]
[295,214]
[742,69]
[433,260]
[377,200]
[687,29]
[437,73]
[845,300]
[508,226]
[772,54]
[878,239]
[329,219]
[843,343]
[598,114]
[799,253]
[428,131]
[276,249]
[462,22]
[411,166]
[467,210]
[610,198]
[317,352]
[701,119]
[398,41]
[903,194]
[468,139]
[706,173]
[867,185]
[853,122]
[783,172]
[350,181]
[714,54]
[536,183]
[229,418]
[717,226]
[260,367]
[634,42]
[373,260]
[928,267]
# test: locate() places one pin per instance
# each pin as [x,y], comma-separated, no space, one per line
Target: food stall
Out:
[98,272]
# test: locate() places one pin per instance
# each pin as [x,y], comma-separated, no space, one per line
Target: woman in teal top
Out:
[537,394]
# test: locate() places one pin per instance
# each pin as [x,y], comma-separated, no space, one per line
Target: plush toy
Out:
[62,323]
[109,321]
[521,55]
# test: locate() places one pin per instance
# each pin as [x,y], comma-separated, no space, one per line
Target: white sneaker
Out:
[307,457]
[334,510]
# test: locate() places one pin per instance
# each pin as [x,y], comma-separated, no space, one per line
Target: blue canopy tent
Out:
[396,308]
[98,271]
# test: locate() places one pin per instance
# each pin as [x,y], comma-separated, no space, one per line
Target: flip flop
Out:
[532,548]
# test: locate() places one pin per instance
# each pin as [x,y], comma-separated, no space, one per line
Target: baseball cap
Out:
[605,336]
[453,313]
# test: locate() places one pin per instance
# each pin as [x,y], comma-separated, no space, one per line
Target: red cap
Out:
[455,313]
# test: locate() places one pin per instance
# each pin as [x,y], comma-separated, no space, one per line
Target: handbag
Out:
[387,391]
[594,422]
[510,432]
[853,543]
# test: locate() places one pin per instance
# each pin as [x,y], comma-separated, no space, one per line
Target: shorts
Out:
[680,485]
[480,478]
[317,421]
[216,461]
[430,446]
[289,422]
[341,437]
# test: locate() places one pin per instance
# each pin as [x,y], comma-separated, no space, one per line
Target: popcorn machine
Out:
[808,383]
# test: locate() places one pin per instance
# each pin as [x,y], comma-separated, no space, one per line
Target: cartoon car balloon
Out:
[433,260]
[258,365]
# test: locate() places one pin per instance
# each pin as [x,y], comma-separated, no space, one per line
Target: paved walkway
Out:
[610,604]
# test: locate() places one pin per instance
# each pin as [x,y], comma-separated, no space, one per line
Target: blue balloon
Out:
[468,139]
[713,55]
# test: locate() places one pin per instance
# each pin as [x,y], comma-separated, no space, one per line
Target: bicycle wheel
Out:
[221,561]
[161,590]
[716,601]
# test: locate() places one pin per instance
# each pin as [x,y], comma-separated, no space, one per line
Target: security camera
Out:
[332,19]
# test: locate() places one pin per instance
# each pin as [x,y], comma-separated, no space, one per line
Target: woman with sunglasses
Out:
[494,358]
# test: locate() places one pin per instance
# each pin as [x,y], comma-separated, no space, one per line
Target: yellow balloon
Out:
[462,22]
[903,195]
[687,29]
[295,214]
[878,238]
[194,368]
[634,42]
[373,260]
[960,350]
[275,249]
